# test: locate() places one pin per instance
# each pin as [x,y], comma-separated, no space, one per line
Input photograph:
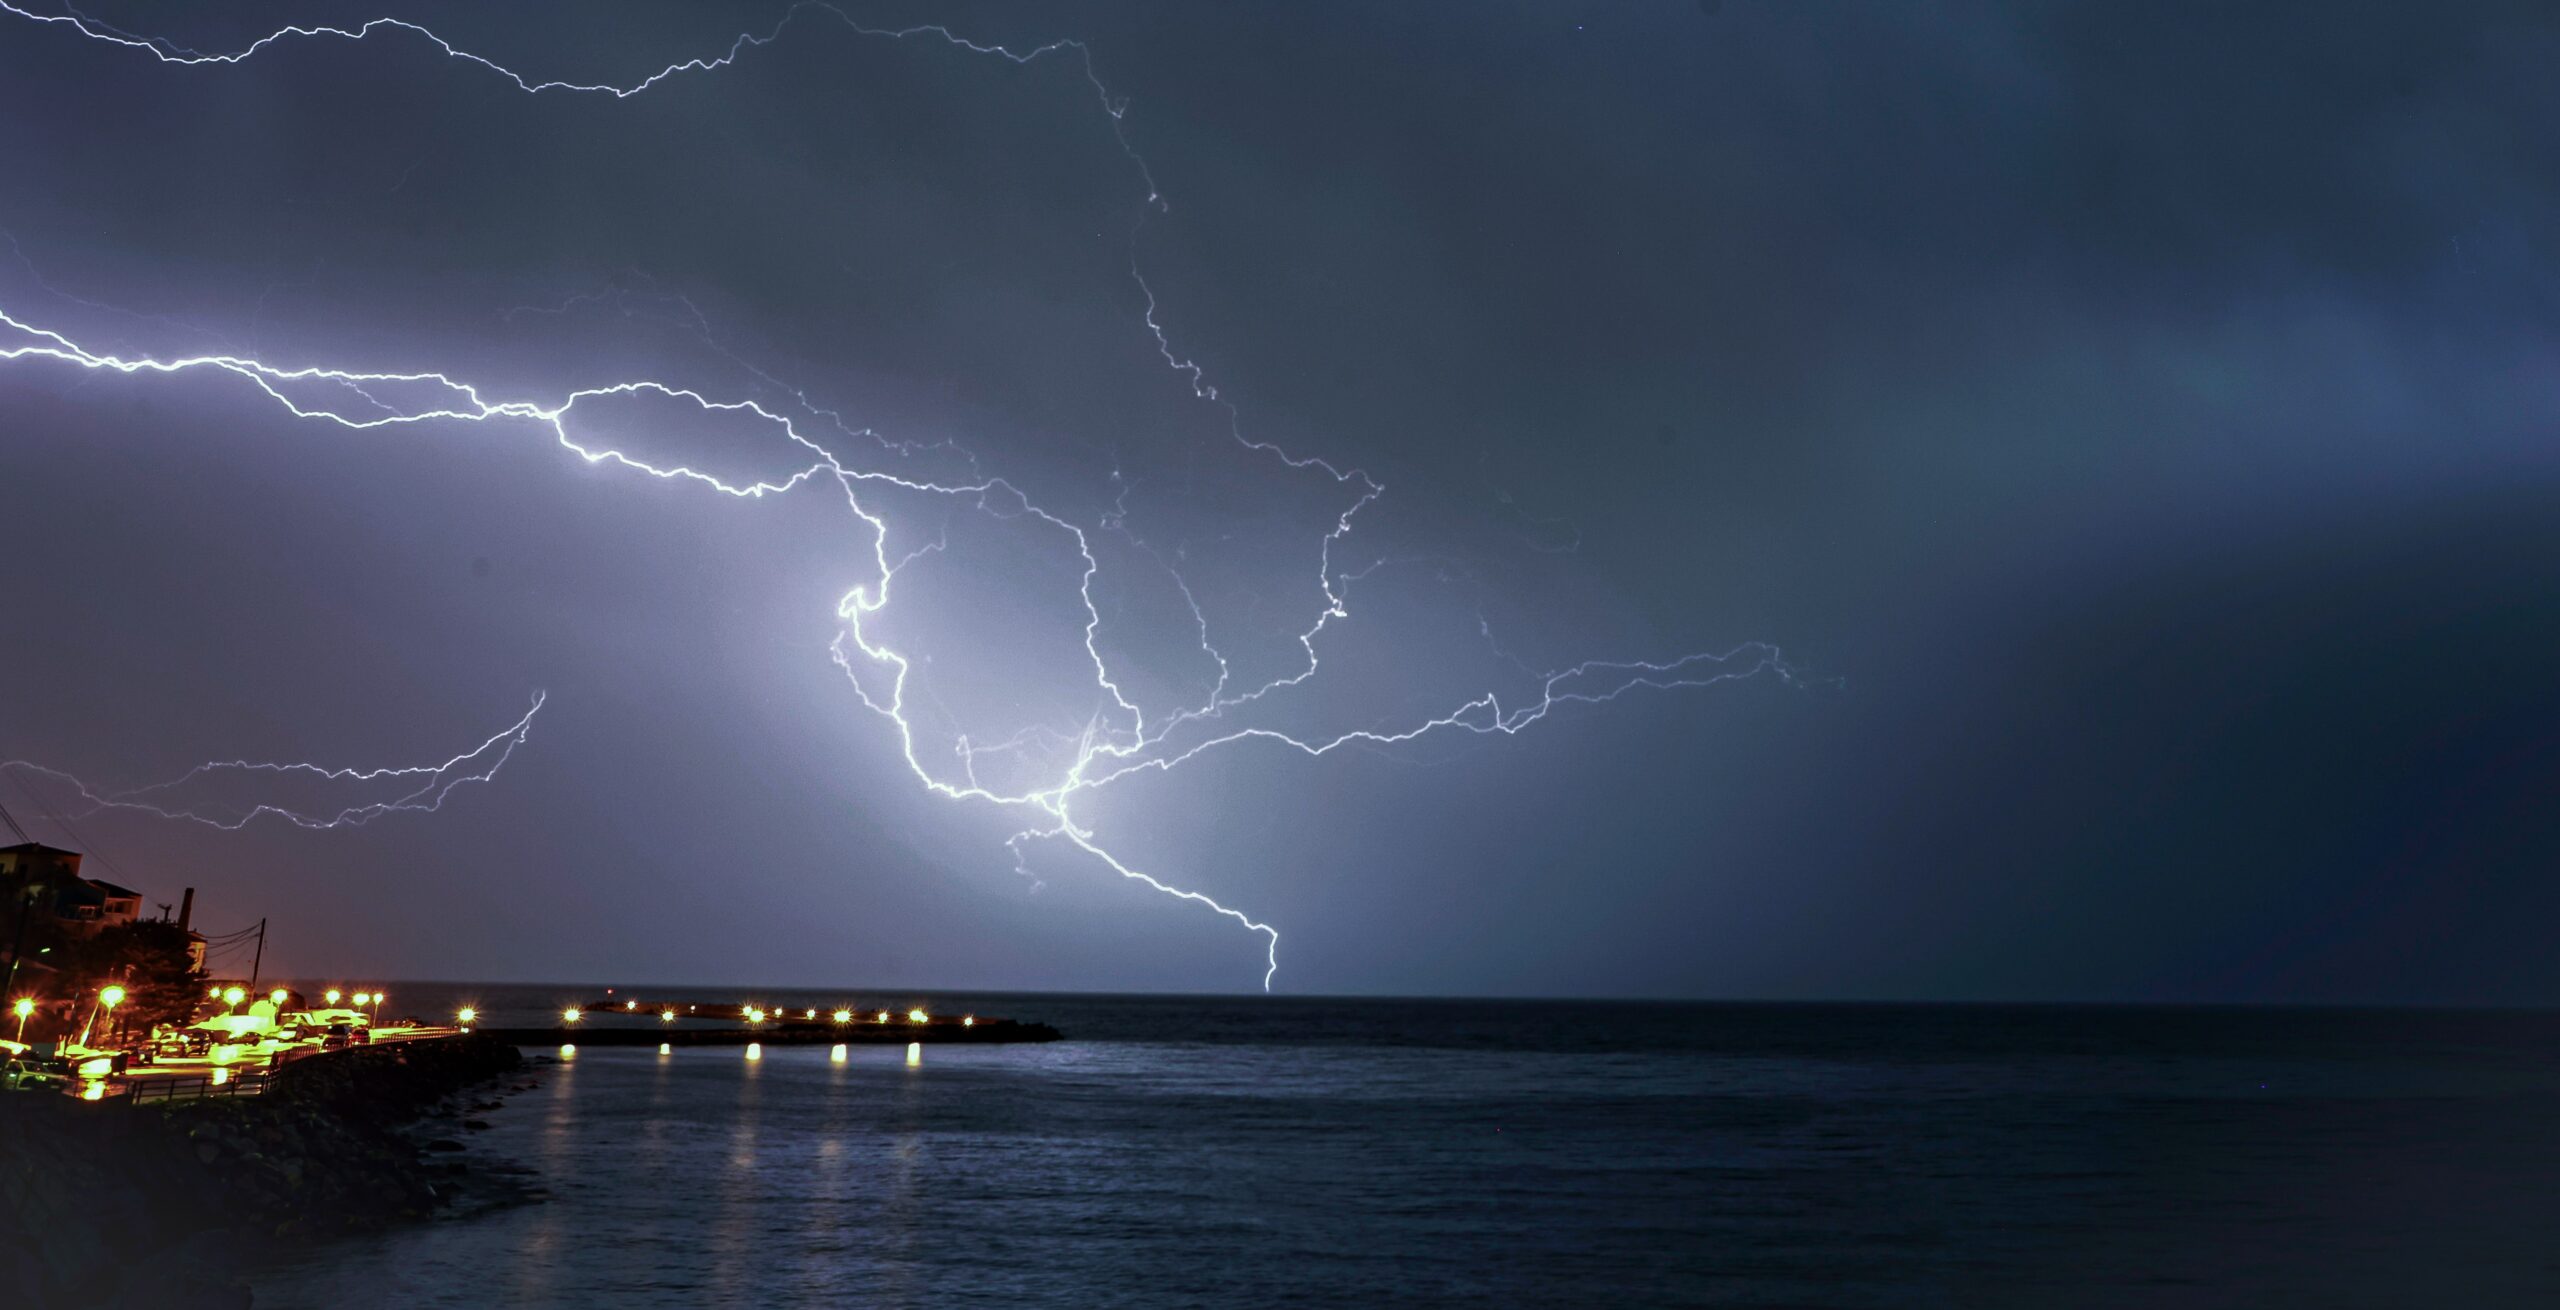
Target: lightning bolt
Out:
[428,784]
[1120,740]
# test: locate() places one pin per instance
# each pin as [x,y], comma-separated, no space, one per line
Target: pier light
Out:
[915,1054]
[755,1050]
[808,1014]
[884,1017]
[332,996]
[836,1053]
[666,1016]
[754,1015]
[915,1016]
[843,1016]
[968,1021]
[466,1014]
[277,996]
[571,1015]
[233,996]
[630,1005]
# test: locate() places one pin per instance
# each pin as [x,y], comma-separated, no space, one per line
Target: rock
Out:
[476,1125]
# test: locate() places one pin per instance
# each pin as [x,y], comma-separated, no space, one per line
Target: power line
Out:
[78,840]
[12,821]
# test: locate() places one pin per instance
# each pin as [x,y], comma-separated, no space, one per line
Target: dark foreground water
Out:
[1256,1152]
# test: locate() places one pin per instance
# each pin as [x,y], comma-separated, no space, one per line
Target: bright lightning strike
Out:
[1120,741]
[426,785]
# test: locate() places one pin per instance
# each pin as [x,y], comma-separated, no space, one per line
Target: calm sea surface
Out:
[1252,1152]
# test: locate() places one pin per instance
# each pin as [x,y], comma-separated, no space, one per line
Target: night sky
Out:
[2135,424]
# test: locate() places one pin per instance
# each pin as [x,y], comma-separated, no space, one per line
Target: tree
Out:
[149,960]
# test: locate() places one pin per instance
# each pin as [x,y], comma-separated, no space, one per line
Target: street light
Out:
[25,1006]
[467,1014]
[278,997]
[109,997]
[233,996]
[331,996]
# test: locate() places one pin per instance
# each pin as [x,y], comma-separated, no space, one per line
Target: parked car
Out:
[27,1076]
[181,1043]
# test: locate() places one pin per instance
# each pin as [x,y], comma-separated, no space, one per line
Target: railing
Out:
[173,1090]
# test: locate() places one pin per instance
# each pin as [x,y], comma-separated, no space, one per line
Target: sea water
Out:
[1253,1152]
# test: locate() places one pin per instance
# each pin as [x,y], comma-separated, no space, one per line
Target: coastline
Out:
[163,1206]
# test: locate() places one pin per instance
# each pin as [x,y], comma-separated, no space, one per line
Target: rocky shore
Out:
[109,1205]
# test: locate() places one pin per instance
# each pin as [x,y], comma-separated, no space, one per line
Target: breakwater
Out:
[617,1029]
[112,1205]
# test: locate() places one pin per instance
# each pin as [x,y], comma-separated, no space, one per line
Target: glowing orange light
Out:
[915,1016]
[666,1016]
[234,996]
[331,995]
[277,996]
[843,1016]
[968,1021]
[571,1015]
[23,1007]
[466,1014]
[111,995]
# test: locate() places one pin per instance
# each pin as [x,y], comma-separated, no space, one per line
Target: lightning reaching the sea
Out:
[421,788]
[1119,741]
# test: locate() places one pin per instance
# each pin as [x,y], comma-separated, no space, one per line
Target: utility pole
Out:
[18,937]
[27,891]
[259,958]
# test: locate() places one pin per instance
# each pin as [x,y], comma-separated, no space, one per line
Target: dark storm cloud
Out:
[2145,411]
